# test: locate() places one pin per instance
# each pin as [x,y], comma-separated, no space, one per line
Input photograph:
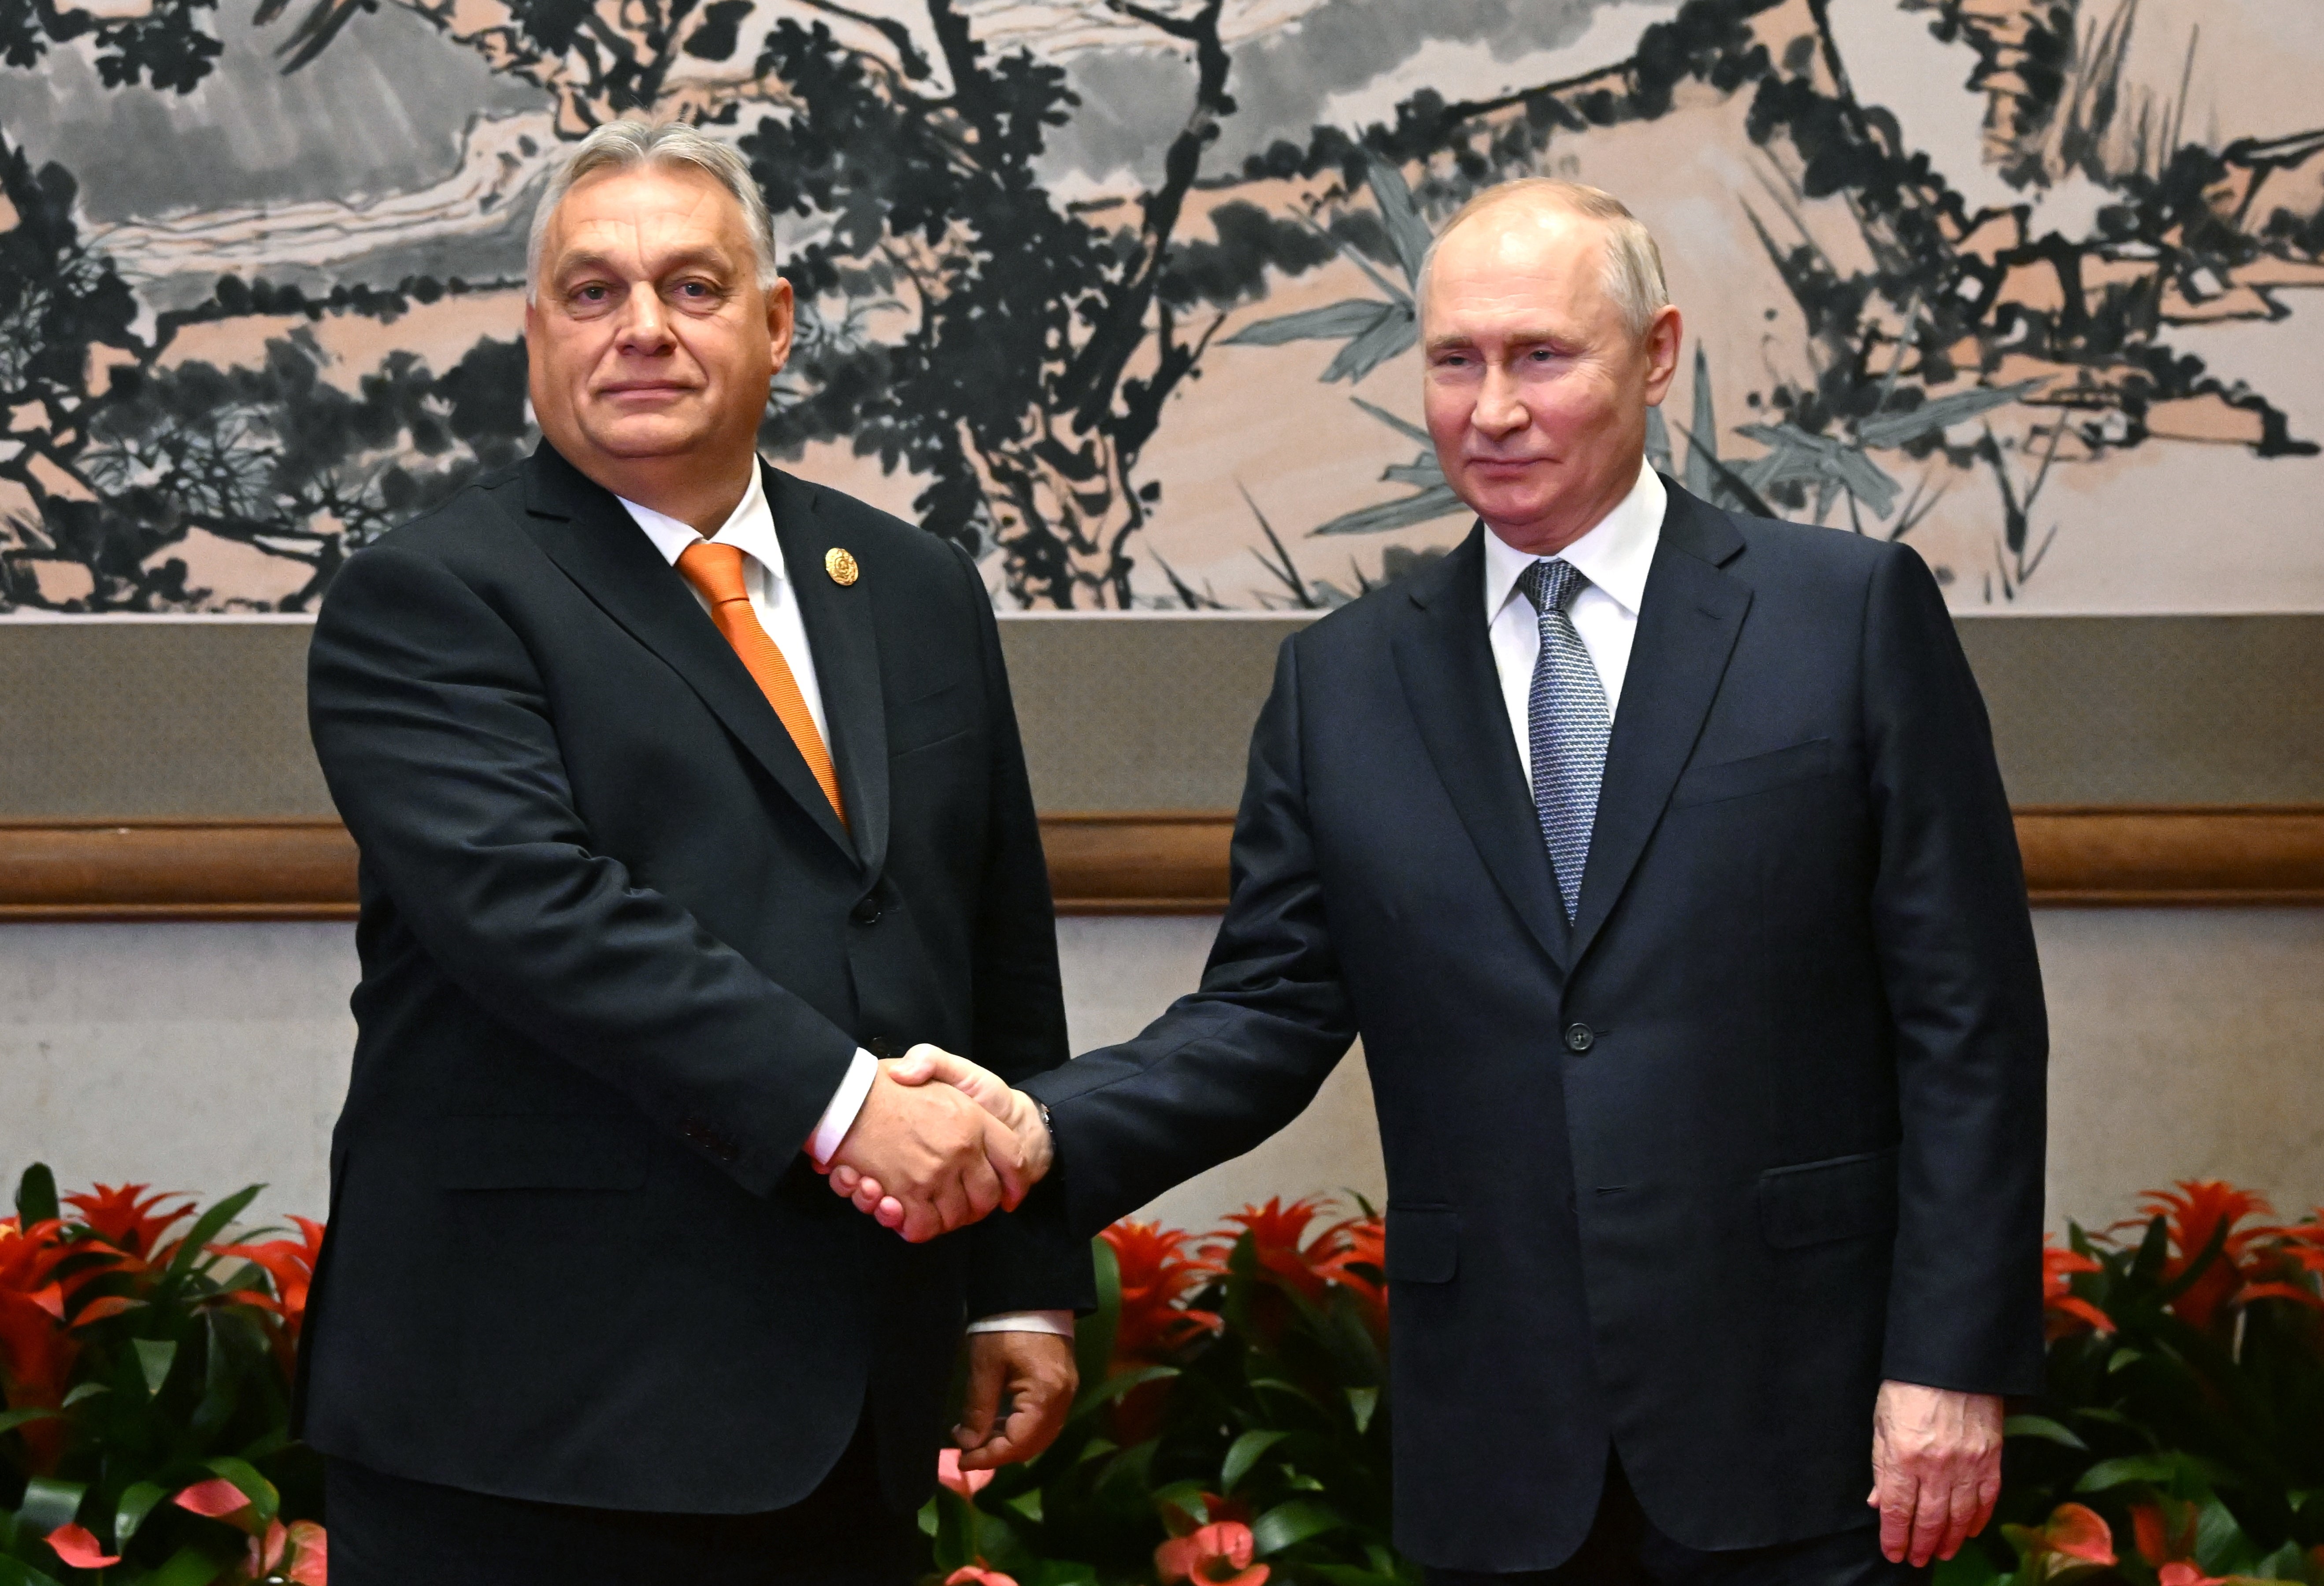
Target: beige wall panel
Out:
[207,1057]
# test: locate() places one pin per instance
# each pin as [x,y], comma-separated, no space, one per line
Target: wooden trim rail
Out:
[1153,863]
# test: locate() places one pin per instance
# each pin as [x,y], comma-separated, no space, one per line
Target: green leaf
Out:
[2157,1469]
[1276,1384]
[49,1503]
[1114,1387]
[36,1196]
[85,1390]
[1093,1335]
[136,1503]
[2285,1564]
[2124,1359]
[1363,1402]
[155,1357]
[2043,1427]
[1243,1454]
[1968,1567]
[15,1574]
[928,1519]
[1027,1503]
[265,1503]
[1287,1524]
[1060,1573]
[12,1419]
[207,1227]
[188,1566]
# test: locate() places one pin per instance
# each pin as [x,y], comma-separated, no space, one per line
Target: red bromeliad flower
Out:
[289,1264]
[978,1574]
[36,1350]
[951,1477]
[132,1226]
[2159,1543]
[79,1549]
[1278,1244]
[297,1555]
[2195,1213]
[1217,1555]
[2061,1312]
[2075,1539]
[2297,1257]
[218,1498]
[1358,1263]
[1158,1276]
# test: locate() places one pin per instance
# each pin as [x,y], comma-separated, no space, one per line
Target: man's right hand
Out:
[933,1068]
[941,1160]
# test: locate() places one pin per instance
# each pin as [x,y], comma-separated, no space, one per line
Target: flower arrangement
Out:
[147,1369]
[1232,1423]
[2180,1439]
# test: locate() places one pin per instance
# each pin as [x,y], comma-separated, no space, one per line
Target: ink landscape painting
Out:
[1118,293]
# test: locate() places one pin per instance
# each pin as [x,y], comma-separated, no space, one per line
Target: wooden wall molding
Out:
[1150,863]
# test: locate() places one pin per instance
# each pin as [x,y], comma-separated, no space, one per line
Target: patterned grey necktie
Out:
[1568,723]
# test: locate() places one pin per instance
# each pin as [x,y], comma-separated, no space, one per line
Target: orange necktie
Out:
[716,571]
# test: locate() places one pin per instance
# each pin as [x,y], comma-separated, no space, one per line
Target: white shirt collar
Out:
[750,528]
[1615,555]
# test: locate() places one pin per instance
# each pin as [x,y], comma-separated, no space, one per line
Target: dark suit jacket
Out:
[617,953]
[1762,1127]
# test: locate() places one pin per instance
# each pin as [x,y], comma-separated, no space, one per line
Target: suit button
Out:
[1579,1037]
[881,1047]
[866,912]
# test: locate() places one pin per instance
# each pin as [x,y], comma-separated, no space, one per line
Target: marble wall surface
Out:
[2186,1042]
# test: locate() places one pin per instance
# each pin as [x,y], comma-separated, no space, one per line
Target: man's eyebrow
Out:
[1522,338]
[703,258]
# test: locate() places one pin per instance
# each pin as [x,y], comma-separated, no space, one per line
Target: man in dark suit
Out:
[1659,856]
[687,793]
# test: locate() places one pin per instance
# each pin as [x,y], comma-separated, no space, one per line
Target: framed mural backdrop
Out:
[1118,292]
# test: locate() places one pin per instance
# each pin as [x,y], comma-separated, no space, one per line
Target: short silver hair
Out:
[1634,264]
[628,145]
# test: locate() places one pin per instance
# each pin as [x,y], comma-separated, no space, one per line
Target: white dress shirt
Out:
[750,528]
[1614,556]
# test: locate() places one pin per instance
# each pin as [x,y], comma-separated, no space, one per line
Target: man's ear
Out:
[1665,335]
[783,321]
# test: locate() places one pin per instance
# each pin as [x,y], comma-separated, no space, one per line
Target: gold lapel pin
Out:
[841,566]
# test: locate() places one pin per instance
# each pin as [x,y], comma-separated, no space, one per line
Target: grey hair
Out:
[628,145]
[1634,264]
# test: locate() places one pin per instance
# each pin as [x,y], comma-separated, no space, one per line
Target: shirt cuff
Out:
[1060,1323]
[847,1101]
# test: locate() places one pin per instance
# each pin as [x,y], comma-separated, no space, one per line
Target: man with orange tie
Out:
[688,794]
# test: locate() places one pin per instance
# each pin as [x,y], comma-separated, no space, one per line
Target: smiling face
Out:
[1536,390]
[651,343]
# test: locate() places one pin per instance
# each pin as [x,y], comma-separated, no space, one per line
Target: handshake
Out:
[938,1144]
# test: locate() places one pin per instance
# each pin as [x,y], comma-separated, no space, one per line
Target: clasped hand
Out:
[939,1143]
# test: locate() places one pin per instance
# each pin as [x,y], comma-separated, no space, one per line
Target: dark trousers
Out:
[388,1531]
[1625,1549]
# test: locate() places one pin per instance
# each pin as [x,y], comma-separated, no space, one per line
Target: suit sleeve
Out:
[1231,1064]
[433,728]
[1027,1259]
[1956,948]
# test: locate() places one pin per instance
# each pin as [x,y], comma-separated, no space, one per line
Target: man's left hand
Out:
[1035,1372]
[1936,1468]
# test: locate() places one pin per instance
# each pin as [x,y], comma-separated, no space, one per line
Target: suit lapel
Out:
[1445,663]
[839,630]
[585,532]
[1688,620]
